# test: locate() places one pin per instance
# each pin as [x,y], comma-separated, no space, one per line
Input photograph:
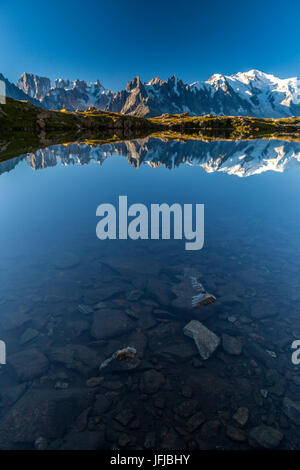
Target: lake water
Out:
[69,300]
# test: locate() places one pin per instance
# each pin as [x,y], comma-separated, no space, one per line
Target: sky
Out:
[115,40]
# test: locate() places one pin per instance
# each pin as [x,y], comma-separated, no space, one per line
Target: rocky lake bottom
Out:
[70,301]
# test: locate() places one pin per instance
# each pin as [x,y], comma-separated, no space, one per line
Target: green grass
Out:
[25,128]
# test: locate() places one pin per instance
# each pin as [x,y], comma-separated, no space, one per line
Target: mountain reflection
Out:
[240,158]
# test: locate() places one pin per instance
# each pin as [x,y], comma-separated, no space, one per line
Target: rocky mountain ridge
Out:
[251,93]
[65,94]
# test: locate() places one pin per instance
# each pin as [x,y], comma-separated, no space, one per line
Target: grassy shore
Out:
[25,127]
[23,116]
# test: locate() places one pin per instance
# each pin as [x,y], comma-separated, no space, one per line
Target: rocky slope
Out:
[252,93]
[64,94]
[12,91]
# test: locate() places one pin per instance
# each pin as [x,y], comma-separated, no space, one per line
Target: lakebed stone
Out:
[195,421]
[292,410]
[87,440]
[44,413]
[205,340]
[28,364]
[231,345]
[152,381]
[76,357]
[110,323]
[66,261]
[160,290]
[28,335]
[235,434]
[104,292]
[265,436]
[241,415]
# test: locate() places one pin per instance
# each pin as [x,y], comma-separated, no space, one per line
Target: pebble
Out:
[125,417]
[231,345]
[292,410]
[264,393]
[235,434]
[85,309]
[40,443]
[28,335]
[232,319]
[265,436]
[61,385]
[206,341]
[150,440]
[134,295]
[94,382]
[195,421]
[241,415]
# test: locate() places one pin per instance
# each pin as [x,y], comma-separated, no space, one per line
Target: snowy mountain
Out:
[252,93]
[64,94]
[239,158]
[12,91]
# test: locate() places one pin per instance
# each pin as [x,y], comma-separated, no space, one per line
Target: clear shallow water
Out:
[51,262]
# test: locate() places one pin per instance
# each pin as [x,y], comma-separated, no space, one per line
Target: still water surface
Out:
[52,392]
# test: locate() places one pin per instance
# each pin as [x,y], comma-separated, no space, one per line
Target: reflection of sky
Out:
[58,204]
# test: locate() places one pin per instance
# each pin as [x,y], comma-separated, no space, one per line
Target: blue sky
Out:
[115,40]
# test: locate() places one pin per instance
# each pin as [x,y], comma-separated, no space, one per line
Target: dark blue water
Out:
[52,261]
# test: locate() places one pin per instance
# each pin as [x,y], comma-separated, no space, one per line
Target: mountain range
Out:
[252,93]
[239,158]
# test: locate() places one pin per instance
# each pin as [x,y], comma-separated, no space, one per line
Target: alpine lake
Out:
[69,301]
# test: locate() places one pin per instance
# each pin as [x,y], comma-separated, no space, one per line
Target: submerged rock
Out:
[195,421]
[12,320]
[104,292]
[94,382]
[41,443]
[292,410]
[85,309]
[10,395]
[44,413]
[160,290]
[134,295]
[235,434]
[205,340]
[87,440]
[76,357]
[67,260]
[189,292]
[241,415]
[187,408]
[28,364]
[150,440]
[265,436]
[110,323]
[232,345]
[120,355]
[125,416]
[28,335]
[152,381]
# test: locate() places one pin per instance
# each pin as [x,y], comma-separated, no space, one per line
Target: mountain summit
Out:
[252,93]
[64,94]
